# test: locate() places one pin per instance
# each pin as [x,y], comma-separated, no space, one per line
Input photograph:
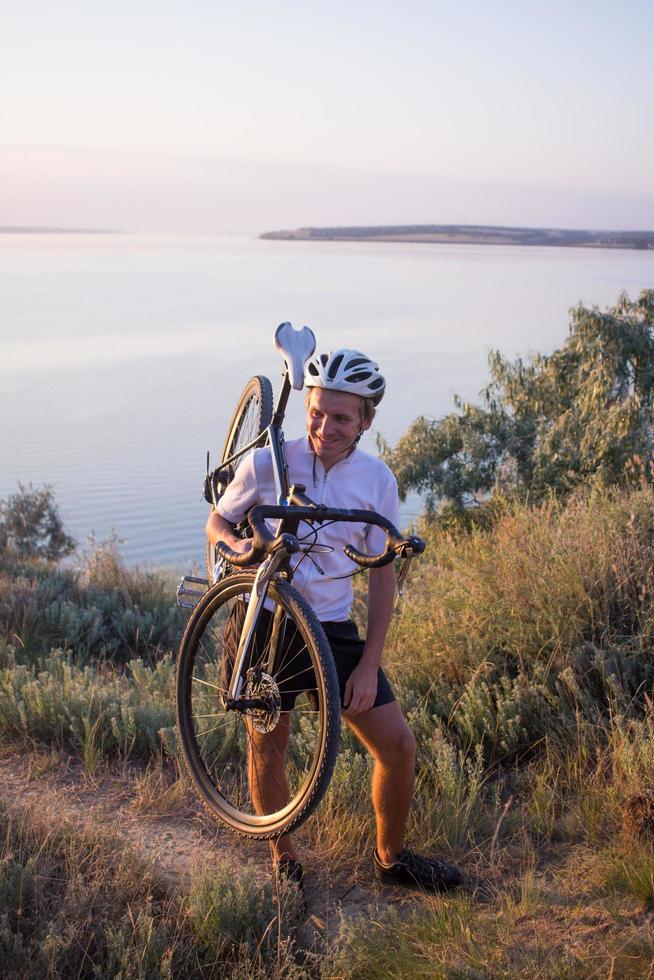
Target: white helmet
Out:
[346,370]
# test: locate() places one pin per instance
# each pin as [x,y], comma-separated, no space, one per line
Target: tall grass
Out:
[533,589]
[99,611]
[522,655]
[73,903]
[519,632]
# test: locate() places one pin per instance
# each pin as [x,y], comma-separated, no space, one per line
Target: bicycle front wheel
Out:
[263,763]
[251,418]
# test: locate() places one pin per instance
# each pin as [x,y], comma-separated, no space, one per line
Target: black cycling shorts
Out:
[293,671]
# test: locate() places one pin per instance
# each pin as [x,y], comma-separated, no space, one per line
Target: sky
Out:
[167,116]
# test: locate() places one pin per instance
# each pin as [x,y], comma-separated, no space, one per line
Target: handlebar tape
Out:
[259,549]
[264,541]
[407,546]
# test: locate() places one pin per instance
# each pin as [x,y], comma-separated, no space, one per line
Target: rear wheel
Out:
[263,763]
[251,418]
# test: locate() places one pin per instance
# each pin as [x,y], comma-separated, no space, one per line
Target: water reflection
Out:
[122,357]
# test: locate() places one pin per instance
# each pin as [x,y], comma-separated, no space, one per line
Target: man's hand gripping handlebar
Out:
[264,542]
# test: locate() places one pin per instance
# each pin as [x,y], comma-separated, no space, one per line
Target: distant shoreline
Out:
[473,235]
[37,230]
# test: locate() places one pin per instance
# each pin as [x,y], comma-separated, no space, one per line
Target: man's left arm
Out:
[361,687]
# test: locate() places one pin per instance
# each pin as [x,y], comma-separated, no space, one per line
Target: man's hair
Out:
[368,410]
[366,407]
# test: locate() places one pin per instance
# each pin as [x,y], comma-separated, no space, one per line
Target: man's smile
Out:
[334,423]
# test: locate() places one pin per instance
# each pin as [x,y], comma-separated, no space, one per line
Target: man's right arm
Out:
[239,496]
[219,529]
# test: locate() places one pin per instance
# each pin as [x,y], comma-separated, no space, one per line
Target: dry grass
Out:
[160,789]
[538,584]
[523,657]
[78,903]
[536,926]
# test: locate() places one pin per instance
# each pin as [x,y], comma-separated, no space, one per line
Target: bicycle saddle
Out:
[296,347]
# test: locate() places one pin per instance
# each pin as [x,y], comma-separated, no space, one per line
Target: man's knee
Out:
[407,744]
[386,735]
[401,748]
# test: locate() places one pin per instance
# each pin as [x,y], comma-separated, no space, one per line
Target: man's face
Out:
[333,423]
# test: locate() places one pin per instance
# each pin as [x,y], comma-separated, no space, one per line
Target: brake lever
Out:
[402,577]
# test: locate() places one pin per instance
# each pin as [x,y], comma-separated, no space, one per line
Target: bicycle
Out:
[258,704]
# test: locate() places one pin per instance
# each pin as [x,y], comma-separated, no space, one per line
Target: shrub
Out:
[103,611]
[31,526]
[230,913]
[99,710]
[551,424]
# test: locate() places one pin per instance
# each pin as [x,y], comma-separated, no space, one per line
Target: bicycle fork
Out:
[262,580]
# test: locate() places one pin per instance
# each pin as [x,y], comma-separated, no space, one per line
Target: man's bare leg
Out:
[268,784]
[390,741]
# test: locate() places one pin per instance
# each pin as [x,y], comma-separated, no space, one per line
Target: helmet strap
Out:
[349,452]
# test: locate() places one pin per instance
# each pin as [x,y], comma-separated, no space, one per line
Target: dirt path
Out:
[168,828]
[123,804]
[108,804]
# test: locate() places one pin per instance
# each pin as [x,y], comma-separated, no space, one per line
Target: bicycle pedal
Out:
[190,590]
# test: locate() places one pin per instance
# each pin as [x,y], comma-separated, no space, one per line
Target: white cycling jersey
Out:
[359,481]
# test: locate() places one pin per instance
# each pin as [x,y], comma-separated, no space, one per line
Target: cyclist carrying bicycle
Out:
[344,389]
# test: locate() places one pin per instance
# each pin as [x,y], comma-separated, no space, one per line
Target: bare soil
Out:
[176,842]
[564,918]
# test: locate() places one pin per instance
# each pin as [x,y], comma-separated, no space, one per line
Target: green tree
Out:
[31,526]
[546,424]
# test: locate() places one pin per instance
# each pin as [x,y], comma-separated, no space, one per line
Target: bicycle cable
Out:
[321,571]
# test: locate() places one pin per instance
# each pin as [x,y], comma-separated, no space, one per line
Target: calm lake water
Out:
[122,356]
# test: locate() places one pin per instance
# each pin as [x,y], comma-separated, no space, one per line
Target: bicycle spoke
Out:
[199,680]
[210,730]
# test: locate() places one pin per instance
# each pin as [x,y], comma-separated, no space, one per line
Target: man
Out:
[344,388]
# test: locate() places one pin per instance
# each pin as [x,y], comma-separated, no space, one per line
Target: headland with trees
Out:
[472,235]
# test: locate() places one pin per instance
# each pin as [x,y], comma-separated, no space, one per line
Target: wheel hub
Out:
[262,686]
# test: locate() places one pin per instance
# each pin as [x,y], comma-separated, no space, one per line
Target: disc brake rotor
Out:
[261,685]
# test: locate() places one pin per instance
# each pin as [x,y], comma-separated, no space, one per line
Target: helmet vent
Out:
[334,366]
[345,370]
